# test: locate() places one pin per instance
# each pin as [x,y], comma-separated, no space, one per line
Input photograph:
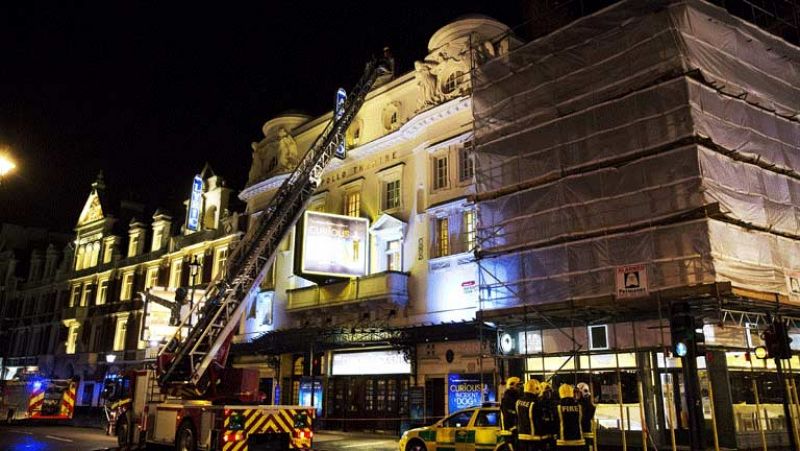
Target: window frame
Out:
[175,272]
[466,163]
[440,175]
[442,236]
[151,277]
[120,330]
[126,286]
[469,230]
[220,261]
[352,209]
[592,346]
[72,339]
[102,292]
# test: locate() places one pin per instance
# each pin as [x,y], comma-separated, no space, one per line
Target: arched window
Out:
[79,258]
[95,254]
[452,82]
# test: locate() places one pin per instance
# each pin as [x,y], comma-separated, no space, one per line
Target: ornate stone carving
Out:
[428,85]
[287,150]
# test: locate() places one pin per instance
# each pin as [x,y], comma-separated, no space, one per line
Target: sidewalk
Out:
[345,441]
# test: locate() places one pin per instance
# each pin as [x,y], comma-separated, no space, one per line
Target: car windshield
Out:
[458,419]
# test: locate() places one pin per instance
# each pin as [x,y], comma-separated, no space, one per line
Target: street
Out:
[67,438]
[40,437]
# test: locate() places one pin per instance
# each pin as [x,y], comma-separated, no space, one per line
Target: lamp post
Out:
[194,267]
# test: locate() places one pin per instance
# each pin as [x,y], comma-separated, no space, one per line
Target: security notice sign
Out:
[632,281]
[793,286]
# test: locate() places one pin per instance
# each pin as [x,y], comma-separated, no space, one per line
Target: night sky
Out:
[148,92]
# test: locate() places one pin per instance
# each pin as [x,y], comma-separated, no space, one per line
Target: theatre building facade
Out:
[369,309]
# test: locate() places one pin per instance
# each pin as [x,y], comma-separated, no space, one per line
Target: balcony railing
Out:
[388,285]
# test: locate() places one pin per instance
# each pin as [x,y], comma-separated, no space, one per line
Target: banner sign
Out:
[333,245]
[465,391]
[370,362]
[195,204]
[338,112]
[632,281]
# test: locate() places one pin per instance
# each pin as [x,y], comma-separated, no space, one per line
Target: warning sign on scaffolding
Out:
[793,286]
[632,281]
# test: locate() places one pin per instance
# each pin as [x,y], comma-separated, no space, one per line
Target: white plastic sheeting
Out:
[595,142]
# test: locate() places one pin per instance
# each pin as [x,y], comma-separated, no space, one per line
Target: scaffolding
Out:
[657,133]
[657,138]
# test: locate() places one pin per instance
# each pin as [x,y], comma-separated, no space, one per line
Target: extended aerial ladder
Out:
[192,358]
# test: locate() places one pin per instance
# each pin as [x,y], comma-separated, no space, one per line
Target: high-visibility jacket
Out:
[508,409]
[569,421]
[530,424]
[588,410]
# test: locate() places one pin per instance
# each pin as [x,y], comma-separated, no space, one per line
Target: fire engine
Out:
[37,398]
[189,398]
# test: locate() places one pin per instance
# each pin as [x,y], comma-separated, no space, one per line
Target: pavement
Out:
[36,437]
[353,441]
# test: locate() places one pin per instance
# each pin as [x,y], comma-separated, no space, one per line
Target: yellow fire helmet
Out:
[565,391]
[533,386]
[544,386]
[512,381]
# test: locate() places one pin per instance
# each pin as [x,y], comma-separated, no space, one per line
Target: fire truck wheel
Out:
[124,430]
[186,439]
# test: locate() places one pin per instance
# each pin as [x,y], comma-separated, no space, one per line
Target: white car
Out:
[475,429]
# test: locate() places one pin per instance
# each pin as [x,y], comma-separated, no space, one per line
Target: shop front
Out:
[367,390]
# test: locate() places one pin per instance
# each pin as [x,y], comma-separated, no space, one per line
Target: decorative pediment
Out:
[388,228]
[92,210]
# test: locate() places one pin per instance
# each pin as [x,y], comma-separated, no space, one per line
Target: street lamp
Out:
[6,165]
[194,267]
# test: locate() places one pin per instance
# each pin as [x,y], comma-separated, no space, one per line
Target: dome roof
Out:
[462,27]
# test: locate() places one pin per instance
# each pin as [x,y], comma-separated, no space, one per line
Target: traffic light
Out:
[777,340]
[683,329]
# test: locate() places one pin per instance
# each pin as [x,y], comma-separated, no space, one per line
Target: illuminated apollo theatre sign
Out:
[333,245]
[195,204]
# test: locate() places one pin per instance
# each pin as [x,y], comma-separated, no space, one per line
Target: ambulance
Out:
[476,429]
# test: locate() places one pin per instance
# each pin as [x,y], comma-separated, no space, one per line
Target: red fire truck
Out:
[37,398]
[190,398]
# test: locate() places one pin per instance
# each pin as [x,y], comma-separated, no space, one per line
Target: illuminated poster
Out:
[464,391]
[338,111]
[333,245]
[195,204]
[631,281]
[305,394]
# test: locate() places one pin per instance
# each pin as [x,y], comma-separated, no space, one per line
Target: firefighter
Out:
[570,435]
[508,405]
[548,415]
[587,422]
[532,436]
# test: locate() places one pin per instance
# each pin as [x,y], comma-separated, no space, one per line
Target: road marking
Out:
[59,438]
[21,432]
